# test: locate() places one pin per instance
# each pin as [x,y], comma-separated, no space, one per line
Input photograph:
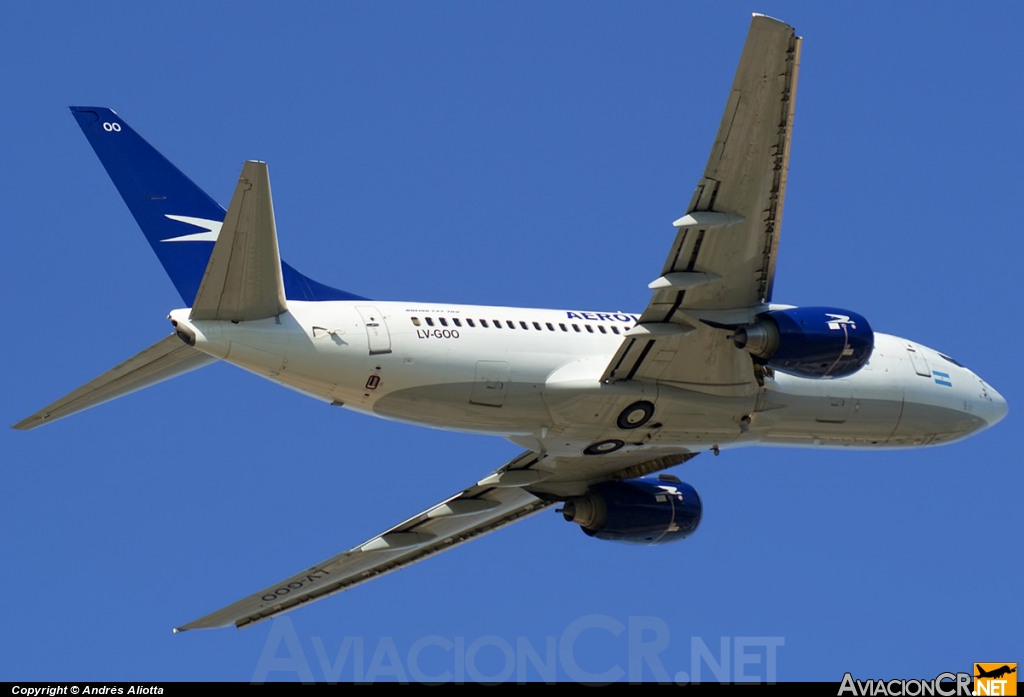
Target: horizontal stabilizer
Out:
[163,360]
[243,280]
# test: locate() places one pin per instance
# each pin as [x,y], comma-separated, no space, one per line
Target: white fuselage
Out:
[533,376]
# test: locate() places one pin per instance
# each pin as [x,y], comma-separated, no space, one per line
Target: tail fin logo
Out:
[211,229]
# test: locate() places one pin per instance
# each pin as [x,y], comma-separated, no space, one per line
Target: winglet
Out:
[243,279]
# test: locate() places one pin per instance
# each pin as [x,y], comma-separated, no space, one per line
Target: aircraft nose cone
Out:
[998,407]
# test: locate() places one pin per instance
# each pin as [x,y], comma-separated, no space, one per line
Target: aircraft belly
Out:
[586,412]
[861,410]
[697,418]
[828,420]
[472,383]
[450,405]
[926,424]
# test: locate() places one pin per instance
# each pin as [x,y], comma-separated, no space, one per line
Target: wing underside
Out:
[475,511]
[720,268]
[744,181]
[509,494]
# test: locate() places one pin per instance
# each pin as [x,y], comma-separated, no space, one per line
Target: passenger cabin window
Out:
[510,323]
[497,324]
[536,325]
[523,324]
[615,329]
[601,327]
[430,322]
[550,326]
[576,327]
[416,321]
[443,321]
[483,323]
[589,328]
[470,322]
[457,322]
[563,327]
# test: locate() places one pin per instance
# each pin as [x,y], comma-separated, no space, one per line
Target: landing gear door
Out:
[376,329]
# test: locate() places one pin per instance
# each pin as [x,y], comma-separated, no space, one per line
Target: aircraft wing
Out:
[511,493]
[721,265]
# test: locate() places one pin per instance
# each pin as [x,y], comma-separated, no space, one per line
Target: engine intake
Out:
[810,342]
[649,510]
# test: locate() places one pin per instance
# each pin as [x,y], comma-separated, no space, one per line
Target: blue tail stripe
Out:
[154,189]
[299,287]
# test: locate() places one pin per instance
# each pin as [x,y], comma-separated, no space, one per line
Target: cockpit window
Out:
[954,362]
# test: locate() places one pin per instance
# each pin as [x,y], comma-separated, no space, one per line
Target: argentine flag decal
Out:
[942,378]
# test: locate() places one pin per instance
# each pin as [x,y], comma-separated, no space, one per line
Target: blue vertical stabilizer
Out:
[178,218]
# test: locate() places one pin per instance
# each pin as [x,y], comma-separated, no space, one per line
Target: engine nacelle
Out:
[646,511]
[810,342]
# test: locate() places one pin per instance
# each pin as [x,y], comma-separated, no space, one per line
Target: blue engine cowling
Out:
[646,511]
[811,342]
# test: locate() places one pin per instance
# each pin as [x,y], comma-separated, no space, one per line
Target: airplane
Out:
[996,672]
[602,403]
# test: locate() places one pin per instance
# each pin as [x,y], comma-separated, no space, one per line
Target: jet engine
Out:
[810,342]
[646,511]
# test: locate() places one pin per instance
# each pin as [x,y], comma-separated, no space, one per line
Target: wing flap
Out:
[164,360]
[243,280]
[703,360]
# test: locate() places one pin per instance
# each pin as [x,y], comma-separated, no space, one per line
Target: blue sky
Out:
[528,154]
